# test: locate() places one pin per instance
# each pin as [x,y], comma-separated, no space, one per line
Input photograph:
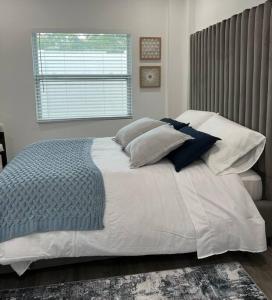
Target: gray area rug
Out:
[222,281]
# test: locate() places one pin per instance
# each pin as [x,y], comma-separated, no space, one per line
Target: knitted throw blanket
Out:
[51,185]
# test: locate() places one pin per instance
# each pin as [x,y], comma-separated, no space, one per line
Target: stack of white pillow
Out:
[147,141]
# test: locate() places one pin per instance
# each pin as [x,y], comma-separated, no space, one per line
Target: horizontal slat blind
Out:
[82,75]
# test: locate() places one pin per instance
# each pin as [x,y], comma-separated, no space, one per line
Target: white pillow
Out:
[195,117]
[238,150]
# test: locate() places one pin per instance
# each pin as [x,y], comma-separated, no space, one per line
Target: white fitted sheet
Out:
[153,210]
[253,184]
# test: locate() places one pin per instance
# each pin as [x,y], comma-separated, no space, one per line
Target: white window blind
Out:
[80,75]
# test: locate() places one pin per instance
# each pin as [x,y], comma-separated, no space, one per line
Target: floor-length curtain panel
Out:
[231,73]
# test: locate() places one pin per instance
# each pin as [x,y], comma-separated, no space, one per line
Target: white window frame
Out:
[38,78]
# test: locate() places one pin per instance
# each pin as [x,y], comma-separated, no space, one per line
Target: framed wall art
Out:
[150,76]
[150,48]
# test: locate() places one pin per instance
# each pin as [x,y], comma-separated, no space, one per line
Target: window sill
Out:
[84,119]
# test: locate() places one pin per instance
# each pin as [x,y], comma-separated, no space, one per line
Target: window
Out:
[80,75]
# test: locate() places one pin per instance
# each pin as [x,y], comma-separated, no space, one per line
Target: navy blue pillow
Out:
[191,150]
[176,124]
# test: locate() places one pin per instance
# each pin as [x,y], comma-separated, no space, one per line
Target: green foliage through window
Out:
[81,41]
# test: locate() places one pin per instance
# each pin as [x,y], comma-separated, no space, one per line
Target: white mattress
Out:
[153,210]
[253,184]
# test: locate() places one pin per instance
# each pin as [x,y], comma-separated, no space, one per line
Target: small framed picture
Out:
[150,48]
[150,76]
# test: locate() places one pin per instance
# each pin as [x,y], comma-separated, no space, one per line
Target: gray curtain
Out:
[231,73]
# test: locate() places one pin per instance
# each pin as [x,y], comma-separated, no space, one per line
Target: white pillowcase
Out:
[195,117]
[238,150]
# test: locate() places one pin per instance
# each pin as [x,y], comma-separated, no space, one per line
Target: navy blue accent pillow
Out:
[191,150]
[176,124]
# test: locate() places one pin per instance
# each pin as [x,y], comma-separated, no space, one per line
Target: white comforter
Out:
[153,210]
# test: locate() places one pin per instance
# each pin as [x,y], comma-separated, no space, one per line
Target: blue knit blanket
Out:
[51,185]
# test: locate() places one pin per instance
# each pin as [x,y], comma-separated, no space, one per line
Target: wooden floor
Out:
[259,266]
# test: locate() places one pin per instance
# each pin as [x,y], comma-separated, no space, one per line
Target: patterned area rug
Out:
[222,281]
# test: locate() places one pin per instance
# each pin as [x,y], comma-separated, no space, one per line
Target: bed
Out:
[152,210]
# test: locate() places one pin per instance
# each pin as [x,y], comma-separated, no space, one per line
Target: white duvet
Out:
[153,210]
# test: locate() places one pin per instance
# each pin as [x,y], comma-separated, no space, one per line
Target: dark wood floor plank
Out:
[259,267]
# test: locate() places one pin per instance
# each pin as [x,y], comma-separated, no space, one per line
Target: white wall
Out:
[204,13]
[178,53]
[19,18]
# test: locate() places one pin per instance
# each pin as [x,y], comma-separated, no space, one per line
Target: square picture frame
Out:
[150,76]
[150,48]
